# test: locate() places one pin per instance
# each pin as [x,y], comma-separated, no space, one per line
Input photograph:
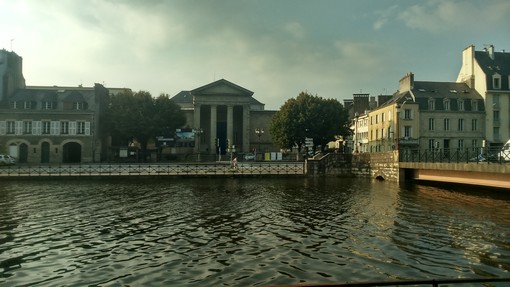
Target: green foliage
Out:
[140,116]
[309,116]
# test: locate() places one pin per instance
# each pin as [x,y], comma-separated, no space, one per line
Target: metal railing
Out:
[196,169]
[432,282]
[479,155]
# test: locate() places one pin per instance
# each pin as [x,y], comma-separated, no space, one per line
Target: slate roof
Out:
[500,65]
[186,97]
[439,91]
[52,95]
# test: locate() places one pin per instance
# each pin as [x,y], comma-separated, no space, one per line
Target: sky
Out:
[274,48]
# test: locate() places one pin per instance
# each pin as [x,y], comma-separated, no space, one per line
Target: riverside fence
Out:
[181,169]
[479,155]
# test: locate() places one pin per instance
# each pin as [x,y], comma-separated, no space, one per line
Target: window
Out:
[474,105]
[46,127]
[495,116]
[461,144]
[376,119]
[495,132]
[64,128]
[496,81]
[27,127]
[48,105]
[11,127]
[446,103]
[495,101]
[431,124]
[431,104]
[460,103]
[431,143]
[474,144]
[407,131]
[79,106]
[80,128]
[382,117]
[474,124]
[446,124]
[461,124]
[407,114]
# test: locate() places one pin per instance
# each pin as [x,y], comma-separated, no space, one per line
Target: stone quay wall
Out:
[374,165]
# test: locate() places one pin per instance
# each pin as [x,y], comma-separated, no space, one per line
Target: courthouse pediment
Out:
[222,87]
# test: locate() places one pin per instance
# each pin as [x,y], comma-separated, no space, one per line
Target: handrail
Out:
[431,282]
[195,169]
[477,155]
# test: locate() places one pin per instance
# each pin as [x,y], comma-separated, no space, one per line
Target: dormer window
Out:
[496,81]
[474,105]
[49,105]
[20,105]
[446,103]
[431,104]
[79,106]
[460,103]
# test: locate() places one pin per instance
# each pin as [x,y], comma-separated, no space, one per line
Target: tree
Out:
[141,117]
[309,116]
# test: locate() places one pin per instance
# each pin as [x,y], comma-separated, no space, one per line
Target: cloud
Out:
[437,16]
[383,16]
[295,29]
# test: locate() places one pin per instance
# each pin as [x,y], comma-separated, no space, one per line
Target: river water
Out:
[246,232]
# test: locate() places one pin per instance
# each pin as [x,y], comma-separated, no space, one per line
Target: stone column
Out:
[196,124]
[246,128]
[230,123]
[214,119]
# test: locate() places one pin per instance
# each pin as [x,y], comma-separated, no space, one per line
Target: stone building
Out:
[48,124]
[428,115]
[222,114]
[488,72]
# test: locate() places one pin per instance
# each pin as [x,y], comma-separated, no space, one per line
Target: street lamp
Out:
[231,149]
[198,132]
[259,132]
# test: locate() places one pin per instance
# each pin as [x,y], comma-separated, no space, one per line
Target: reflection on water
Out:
[244,232]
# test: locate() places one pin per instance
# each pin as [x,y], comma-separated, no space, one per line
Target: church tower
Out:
[11,74]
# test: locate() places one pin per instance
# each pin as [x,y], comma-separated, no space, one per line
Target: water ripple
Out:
[241,232]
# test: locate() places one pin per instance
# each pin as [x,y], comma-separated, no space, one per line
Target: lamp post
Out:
[231,149]
[198,132]
[259,132]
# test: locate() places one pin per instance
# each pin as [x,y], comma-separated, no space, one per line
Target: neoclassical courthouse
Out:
[52,124]
[223,114]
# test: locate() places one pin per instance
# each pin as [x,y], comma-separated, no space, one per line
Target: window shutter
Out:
[36,127]
[18,128]
[87,128]
[3,127]
[55,127]
[72,128]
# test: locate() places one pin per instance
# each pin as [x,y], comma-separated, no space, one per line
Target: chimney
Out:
[407,82]
[491,52]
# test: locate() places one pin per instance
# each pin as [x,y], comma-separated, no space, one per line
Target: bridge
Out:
[483,167]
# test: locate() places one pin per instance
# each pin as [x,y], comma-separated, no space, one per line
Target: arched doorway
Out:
[45,152]
[72,153]
[23,153]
